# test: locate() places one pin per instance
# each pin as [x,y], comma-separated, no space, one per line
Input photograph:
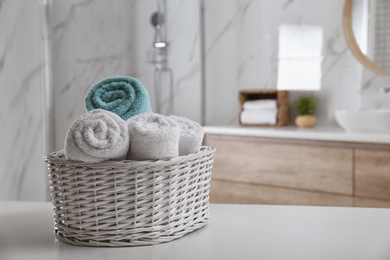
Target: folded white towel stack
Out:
[258,117]
[153,137]
[257,104]
[191,135]
[261,111]
[96,136]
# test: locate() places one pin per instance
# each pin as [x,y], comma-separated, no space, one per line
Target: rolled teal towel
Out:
[124,96]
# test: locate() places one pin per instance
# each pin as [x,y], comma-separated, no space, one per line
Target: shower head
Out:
[157,19]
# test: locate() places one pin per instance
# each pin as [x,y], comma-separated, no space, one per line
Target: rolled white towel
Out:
[191,135]
[260,104]
[97,136]
[153,137]
[258,117]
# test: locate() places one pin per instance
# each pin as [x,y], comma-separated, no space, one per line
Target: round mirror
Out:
[367,31]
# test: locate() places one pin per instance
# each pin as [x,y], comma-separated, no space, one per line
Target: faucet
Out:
[384,90]
[384,97]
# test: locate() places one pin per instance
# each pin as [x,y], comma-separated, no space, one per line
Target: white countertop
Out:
[291,132]
[234,232]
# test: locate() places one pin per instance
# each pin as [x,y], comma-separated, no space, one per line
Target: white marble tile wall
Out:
[241,53]
[91,40]
[22,170]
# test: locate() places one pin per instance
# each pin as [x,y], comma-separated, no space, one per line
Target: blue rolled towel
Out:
[124,96]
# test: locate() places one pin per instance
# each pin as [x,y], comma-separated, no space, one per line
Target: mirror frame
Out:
[353,45]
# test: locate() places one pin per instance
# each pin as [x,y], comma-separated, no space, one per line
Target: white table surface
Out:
[320,133]
[234,232]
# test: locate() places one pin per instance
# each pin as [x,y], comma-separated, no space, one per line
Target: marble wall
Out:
[241,53]
[90,42]
[22,171]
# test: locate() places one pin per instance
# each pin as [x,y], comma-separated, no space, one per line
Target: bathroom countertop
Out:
[234,232]
[292,132]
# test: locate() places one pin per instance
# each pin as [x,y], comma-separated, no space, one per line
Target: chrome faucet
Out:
[384,90]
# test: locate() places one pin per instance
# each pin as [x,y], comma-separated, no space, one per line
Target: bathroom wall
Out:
[90,41]
[22,171]
[241,53]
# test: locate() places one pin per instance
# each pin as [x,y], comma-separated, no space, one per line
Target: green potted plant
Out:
[306,107]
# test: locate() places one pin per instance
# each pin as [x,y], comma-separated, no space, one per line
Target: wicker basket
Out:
[129,203]
[283,102]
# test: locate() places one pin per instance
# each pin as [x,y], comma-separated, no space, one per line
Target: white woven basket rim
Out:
[59,157]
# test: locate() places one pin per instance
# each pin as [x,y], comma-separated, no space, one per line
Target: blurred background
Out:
[53,52]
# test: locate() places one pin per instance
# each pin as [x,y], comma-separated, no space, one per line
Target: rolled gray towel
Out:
[153,137]
[97,136]
[191,135]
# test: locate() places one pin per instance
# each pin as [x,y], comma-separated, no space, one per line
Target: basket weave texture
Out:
[129,203]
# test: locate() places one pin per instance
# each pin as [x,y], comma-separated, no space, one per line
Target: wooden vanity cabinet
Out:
[256,170]
[372,173]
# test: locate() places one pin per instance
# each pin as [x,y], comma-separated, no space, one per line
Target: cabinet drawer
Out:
[371,203]
[372,169]
[308,167]
[239,193]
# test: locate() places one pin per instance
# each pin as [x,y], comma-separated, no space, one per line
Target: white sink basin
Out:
[375,120]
